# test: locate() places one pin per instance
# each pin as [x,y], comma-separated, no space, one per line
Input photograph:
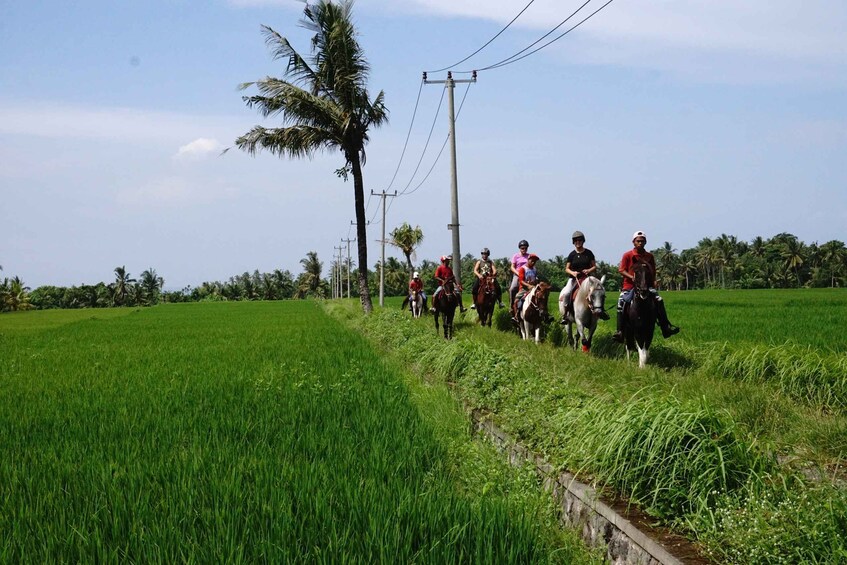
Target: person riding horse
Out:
[638,254]
[580,264]
[416,284]
[444,273]
[527,279]
[483,268]
[518,261]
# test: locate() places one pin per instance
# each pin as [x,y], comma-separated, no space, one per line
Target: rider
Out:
[638,254]
[444,273]
[482,268]
[580,264]
[518,261]
[527,279]
[417,284]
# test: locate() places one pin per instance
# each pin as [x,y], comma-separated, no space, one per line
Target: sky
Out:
[685,119]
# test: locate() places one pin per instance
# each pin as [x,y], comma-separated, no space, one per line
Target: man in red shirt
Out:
[638,254]
[416,284]
[444,273]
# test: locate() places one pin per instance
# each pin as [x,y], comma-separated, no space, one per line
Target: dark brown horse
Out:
[445,304]
[485,299]
[640,316]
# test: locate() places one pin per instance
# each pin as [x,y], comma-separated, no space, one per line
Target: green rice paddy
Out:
[249,432]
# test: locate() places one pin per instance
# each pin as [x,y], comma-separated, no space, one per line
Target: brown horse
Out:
[445,304]
[534,312]
[485,299]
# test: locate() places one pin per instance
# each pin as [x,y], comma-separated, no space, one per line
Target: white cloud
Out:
[199,148]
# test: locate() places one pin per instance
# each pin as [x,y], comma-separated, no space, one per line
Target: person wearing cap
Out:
[482,268]
[580,264]
[416,284]
[527,279]
[518,261]
[444,273]
[639,254]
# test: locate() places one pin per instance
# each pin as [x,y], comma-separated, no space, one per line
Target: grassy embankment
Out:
[241,433]
[733,435]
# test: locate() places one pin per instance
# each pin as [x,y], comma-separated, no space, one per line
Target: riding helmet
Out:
[416,275]
[637,234]
[523,243]
[532,256]
[485,251]
[578,235]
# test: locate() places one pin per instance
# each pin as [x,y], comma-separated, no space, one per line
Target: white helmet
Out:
[639,234]
[415,275]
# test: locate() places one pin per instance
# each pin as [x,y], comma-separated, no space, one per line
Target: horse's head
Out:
[539,296]
[597,295]
[487,284]
[449,285]
[642,277]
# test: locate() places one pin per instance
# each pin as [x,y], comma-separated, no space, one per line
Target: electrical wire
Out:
[426,145]
[409,133]
[487,43]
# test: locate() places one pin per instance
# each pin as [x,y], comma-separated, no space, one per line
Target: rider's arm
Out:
[624,267]
[590,269]
[493,269]
[476,270]
[568,269]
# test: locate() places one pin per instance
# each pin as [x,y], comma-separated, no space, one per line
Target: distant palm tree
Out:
[325,106]
[834,257]
[794,254]
[122,286]
[151,286]
[407,239]
[309,282]
[15,295]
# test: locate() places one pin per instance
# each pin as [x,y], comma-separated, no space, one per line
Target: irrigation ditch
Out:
[627,534]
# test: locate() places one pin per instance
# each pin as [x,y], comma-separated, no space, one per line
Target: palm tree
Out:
[834,257]
[15,295]
[151,286]
[407,238]
[794,254]
[325,105]
[310,279]
[122,284]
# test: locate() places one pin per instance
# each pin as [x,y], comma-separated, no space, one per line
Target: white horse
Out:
[416,303]
[588,306]
[534,312]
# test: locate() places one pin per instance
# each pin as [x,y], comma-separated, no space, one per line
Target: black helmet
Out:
[578,235]
[485,251]
[523,243]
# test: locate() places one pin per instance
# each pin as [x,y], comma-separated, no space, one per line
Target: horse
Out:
[534,312]
[485,299]
[640,317]
[445,304]
[588,305]
[415,303]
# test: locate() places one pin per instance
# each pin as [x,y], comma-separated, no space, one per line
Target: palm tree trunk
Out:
[361,233]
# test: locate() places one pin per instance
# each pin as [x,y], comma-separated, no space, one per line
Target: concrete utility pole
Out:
[347,241]
[449,84]
[337,288]
[382,195]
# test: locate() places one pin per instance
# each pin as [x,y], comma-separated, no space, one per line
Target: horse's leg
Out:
[642,356]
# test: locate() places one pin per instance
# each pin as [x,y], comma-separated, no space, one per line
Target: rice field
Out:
[248,432]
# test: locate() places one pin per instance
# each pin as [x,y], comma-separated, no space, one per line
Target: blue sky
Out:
[684,119]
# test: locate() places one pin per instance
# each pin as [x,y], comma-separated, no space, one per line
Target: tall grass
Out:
[230,433]
[669,440]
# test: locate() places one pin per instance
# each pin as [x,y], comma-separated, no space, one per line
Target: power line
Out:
[409,133]
[426,145]
[487,43]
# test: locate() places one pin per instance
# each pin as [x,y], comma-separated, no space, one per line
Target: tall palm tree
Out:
[310,278]
[324,105]
[834,257]
[794,254]
[407,238]
[151,286]
[122,285]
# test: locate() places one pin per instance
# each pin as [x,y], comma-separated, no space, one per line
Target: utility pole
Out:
[382,195]
[337,288]
[347,241]
[449,84]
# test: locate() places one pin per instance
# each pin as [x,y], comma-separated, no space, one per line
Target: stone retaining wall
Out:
[582,508]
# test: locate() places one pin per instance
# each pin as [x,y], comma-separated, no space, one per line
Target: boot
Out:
[668,329]
[619,333]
